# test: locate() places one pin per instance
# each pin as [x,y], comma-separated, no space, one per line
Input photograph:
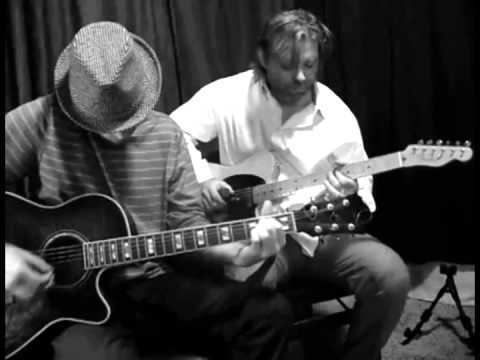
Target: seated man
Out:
[98,133]
[279,107]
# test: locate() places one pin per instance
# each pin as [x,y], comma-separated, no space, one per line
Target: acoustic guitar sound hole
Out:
[64,252]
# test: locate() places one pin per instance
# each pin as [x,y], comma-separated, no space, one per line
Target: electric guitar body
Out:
[243,177]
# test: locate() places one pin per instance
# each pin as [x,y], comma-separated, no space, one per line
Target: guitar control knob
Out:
[351,227]
[318,229]
[334,227]
[346,202]
[330,206]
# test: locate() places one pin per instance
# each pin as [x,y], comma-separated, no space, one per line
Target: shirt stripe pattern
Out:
[149,173]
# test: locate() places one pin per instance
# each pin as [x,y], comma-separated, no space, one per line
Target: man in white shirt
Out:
[279,107]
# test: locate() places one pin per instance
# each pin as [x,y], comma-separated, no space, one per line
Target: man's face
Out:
[291,70]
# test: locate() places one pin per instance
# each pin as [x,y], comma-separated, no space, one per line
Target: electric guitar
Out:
[250,178]
[88,235]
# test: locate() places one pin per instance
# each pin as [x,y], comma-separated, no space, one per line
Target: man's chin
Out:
[293,98]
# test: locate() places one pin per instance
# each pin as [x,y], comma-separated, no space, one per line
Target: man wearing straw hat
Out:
[98,133]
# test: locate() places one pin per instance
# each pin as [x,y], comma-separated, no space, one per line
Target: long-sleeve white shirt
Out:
[240,111]
[247,119]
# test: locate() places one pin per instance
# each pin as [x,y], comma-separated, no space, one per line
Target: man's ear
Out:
[262,57]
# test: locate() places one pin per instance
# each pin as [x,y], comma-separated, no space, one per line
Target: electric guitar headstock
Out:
[436,154]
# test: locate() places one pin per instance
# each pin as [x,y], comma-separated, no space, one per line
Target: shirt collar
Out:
[310,120]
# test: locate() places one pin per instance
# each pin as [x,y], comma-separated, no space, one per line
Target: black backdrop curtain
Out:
[406,68]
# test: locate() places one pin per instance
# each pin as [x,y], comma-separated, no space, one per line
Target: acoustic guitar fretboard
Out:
[136,248]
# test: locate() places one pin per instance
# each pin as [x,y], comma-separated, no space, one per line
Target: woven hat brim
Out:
[153,76]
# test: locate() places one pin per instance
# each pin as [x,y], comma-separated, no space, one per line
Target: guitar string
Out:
[74,252]
[66,250]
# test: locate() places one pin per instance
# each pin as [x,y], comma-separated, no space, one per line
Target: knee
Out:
[385,273]
[274,310]
[81,341]
[391,274]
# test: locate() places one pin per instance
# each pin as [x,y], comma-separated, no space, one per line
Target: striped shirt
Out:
[149,173]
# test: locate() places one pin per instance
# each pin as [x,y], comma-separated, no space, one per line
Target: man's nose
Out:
[300,76]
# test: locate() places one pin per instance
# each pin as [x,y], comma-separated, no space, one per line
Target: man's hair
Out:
[287,27]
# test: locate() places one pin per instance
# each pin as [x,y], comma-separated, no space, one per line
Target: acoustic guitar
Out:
[88,235]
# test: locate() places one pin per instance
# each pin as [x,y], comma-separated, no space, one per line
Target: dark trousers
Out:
[221,319]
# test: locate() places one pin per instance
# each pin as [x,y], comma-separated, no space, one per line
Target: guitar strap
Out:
[257,277]
[101,163]
[149,269]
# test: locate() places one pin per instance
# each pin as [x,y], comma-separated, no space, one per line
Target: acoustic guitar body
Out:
[58,234]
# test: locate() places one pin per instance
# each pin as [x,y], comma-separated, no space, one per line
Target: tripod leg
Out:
[409,333]
[466,322]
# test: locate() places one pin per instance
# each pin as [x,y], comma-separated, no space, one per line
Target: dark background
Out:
[407,69]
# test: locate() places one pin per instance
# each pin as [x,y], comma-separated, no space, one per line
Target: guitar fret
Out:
[168,244]
[142,248]
[218,237]
[225,233]
[250,226]
[212,235]
[106,250]
[91,255]
[159,244]
[199,237]
[150,248]
[238,231]
[245,228]
[85,257]
[127,250]
[286,222]
[120,253]
[178,240]
[96,252]
[189,240]
[134,248]
[101,252]
[113,251]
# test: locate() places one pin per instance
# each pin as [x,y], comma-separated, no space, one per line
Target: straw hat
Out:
[107,79]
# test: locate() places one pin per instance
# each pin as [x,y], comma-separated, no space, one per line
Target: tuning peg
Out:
[351,227]
[334,227]
[467,143]
[457,143]
[429,142]
[421,142]
[346,202]
[448,142]
[313,210]
[330,206]
[318,229]
[439,142]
